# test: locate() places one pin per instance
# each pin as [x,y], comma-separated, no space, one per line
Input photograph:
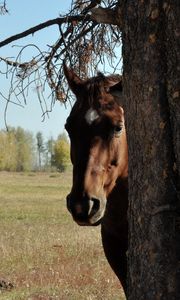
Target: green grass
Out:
[43,253]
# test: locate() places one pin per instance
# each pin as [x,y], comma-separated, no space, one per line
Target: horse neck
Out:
[115,218]
[118,199]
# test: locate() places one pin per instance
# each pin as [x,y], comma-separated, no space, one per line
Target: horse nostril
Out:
[78,210]
[86,211]
[94,206]
[80,217]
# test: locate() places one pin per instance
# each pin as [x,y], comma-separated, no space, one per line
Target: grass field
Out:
[44,255]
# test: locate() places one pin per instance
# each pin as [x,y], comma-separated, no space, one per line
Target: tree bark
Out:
[151,54]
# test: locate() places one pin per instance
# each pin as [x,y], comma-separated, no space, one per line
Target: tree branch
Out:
[85,41]
[3,8]
[107,16]
[98,14]
[57,21]
[103,15]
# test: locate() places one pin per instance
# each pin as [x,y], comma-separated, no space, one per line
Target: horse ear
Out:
[116,92]
[73,79]
[113,85]
[113,80]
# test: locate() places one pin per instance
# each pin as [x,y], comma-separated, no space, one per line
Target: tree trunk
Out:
[151,85]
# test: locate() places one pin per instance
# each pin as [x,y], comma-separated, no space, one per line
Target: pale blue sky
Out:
[22,15]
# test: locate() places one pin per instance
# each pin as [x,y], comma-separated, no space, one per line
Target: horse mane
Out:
[95,89]
[99,87]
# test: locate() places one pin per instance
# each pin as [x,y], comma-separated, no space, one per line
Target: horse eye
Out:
[117,130]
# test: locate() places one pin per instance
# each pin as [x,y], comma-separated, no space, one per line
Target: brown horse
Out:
[99,156]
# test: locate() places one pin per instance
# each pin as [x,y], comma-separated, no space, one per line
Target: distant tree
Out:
[63,136]
[2,143]
[61,157]
[49,152]
[16,150]
[11,152]
[8,151]
[40,147]
[24,145]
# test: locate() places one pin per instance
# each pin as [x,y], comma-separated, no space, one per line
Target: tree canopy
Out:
[16,150]
[21,151]
[61,156]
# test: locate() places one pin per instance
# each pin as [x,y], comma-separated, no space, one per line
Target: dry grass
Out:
[44,254]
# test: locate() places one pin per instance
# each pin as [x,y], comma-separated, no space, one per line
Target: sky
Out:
[23,15]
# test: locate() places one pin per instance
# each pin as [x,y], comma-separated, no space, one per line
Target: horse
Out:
[99,155]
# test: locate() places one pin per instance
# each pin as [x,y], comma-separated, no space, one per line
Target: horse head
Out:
[96,129]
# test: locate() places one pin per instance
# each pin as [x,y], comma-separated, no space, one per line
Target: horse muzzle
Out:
[87,211]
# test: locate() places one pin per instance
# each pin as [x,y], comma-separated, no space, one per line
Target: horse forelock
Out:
[95,94]
[95,89]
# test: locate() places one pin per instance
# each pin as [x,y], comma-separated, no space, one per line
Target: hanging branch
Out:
[3,8]
[85,41]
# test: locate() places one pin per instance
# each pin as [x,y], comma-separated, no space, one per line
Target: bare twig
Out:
[57,21]
[3,8]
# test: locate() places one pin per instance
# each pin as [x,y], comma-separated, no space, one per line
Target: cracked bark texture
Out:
[151,54]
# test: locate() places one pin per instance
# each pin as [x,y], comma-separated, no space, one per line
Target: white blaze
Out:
[91,116]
